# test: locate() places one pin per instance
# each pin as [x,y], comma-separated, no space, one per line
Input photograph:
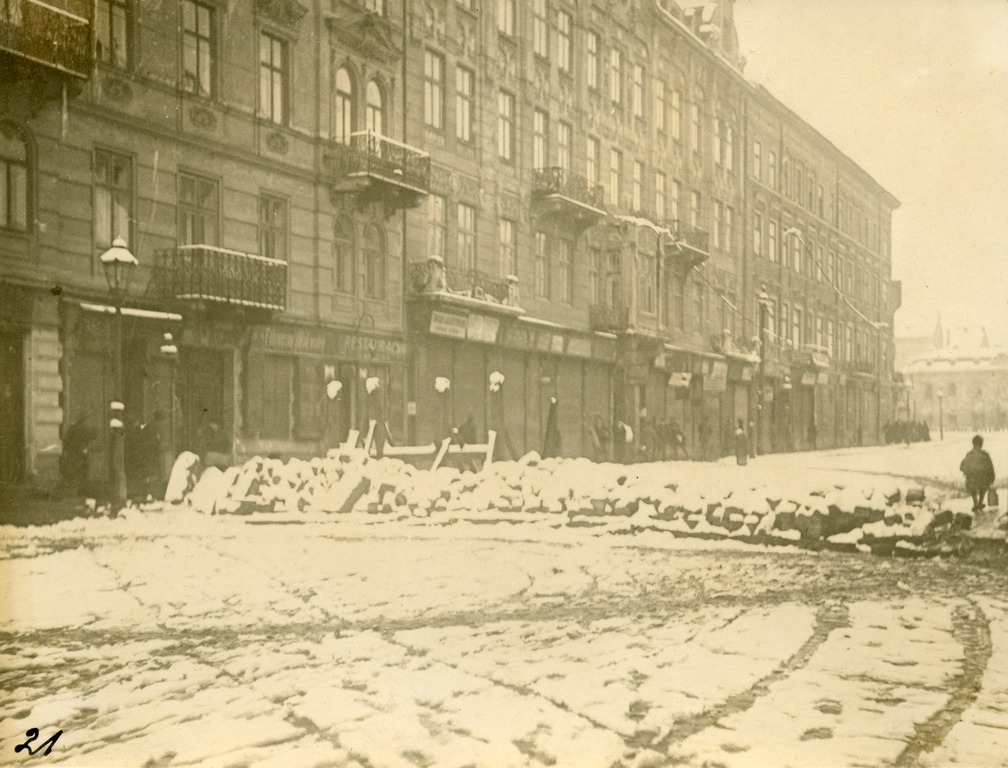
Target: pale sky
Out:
[916,92]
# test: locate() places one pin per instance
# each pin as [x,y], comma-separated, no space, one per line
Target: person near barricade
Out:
[551,440]
[979,472]
[741,444]
[600,436]
[74,461]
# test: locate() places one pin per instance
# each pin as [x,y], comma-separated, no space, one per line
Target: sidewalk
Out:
[23,505]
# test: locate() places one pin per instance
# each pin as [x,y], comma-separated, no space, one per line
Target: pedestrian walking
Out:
[979,471]
[601,436]
[551,442]
[704,434]
[741,445]
[74,461]
[813,433]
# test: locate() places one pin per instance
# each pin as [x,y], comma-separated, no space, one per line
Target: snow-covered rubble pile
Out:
[685,498]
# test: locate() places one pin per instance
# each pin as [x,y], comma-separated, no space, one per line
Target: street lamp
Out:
[909,389]
[118,264]
[941,421]
[764,303]
[170,353]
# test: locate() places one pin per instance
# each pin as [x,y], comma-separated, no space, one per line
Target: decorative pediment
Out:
[369,33]
[287,13]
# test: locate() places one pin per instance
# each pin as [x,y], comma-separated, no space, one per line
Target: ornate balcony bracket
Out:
[558,193]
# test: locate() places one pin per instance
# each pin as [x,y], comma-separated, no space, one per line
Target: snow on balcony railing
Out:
[209,273]
[561,182]
[380,157]
[608,317]
[55,34]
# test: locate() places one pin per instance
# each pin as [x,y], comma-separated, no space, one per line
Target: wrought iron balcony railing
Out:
[371,155]
[429,277]
[54,34]
[867,367]
[563,183]
[208,273]
[608,317]
[694,238]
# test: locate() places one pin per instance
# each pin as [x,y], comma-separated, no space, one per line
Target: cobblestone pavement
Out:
[183,640]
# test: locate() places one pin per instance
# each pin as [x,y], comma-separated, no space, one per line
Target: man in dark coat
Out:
[741,445]
[551,443]
[979,471]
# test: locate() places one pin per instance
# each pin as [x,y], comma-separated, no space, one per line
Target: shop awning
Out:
[144,314]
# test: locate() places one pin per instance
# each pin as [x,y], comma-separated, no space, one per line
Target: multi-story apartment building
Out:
[588,198]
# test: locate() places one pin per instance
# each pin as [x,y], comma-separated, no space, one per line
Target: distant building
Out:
[909,347]
[588,198]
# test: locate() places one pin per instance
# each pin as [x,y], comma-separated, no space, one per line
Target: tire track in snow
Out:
[971,628]
[828,618]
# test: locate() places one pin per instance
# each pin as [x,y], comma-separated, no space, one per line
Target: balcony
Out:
[609,318]
[558,192]
[50,40]
[205,273]
[470,288]
[687,241]
[379,169]
[864,368]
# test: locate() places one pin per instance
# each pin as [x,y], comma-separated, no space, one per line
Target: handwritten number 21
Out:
[32,734]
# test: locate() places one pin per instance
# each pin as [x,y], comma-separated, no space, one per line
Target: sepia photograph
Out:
[504,383]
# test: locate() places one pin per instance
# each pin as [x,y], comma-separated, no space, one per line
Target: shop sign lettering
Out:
[445,324]
[297,340]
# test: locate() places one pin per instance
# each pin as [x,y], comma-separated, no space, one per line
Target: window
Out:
[436,226]
[677,123]
[375,6]
[811,191]
[565,49]
[831,267]
[433,90]
[729,226]
[113,198]
[374,262]
[197,48]
[695,123]
[638,185]
[661,204]
[772,251]
[506,17]
[616,76]
[818,267]
[565,273]
[508,251]
[540,29]
[695,210]
[772,169]
[849,345]
[785,177]
[592,60]
[466,237]
[615,175]
[540,127]
[819,340]
[273,227]
[718,223]
[343,107]
[613,289]
[269,396]
[637,92]
[592,161]
[464,94]
[343,254]
[374,116]
[596,276]
[505,126]
[112,32]
[757,160]
[197,210]
[679,289]
[659,106]
[799,180]
[784,328]
[757,242]
[272,78]
[646,283]
[819,202]
[541,266]
[829,337]
[719,143]
[729,147]
[564,132]
[676,197]
[796,325]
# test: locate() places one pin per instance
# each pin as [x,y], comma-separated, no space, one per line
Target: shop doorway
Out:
[12,408]
[202,381]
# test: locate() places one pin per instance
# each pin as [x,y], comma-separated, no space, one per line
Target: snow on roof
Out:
[960,359]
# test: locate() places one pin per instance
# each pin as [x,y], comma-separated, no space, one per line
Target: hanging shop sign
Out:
[680,380]
[747,372]
[823,379]
[544,340]
[768,394]
[717,379]
[482,328]
[358,347]
[446,324]
[808,379]
[516,336]
[604,349]
[820,359]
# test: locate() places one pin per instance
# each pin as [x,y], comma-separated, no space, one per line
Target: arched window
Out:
[375,108]
[343,254]
[14,188]
[343,107]
[374,262]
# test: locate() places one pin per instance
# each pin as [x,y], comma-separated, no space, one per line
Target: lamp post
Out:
[909,389]
[118,264]
[941,421]
[764,303]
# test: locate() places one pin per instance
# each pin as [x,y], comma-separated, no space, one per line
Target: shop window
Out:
[14,176]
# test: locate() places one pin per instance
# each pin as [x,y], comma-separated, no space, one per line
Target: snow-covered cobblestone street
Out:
[176,638]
